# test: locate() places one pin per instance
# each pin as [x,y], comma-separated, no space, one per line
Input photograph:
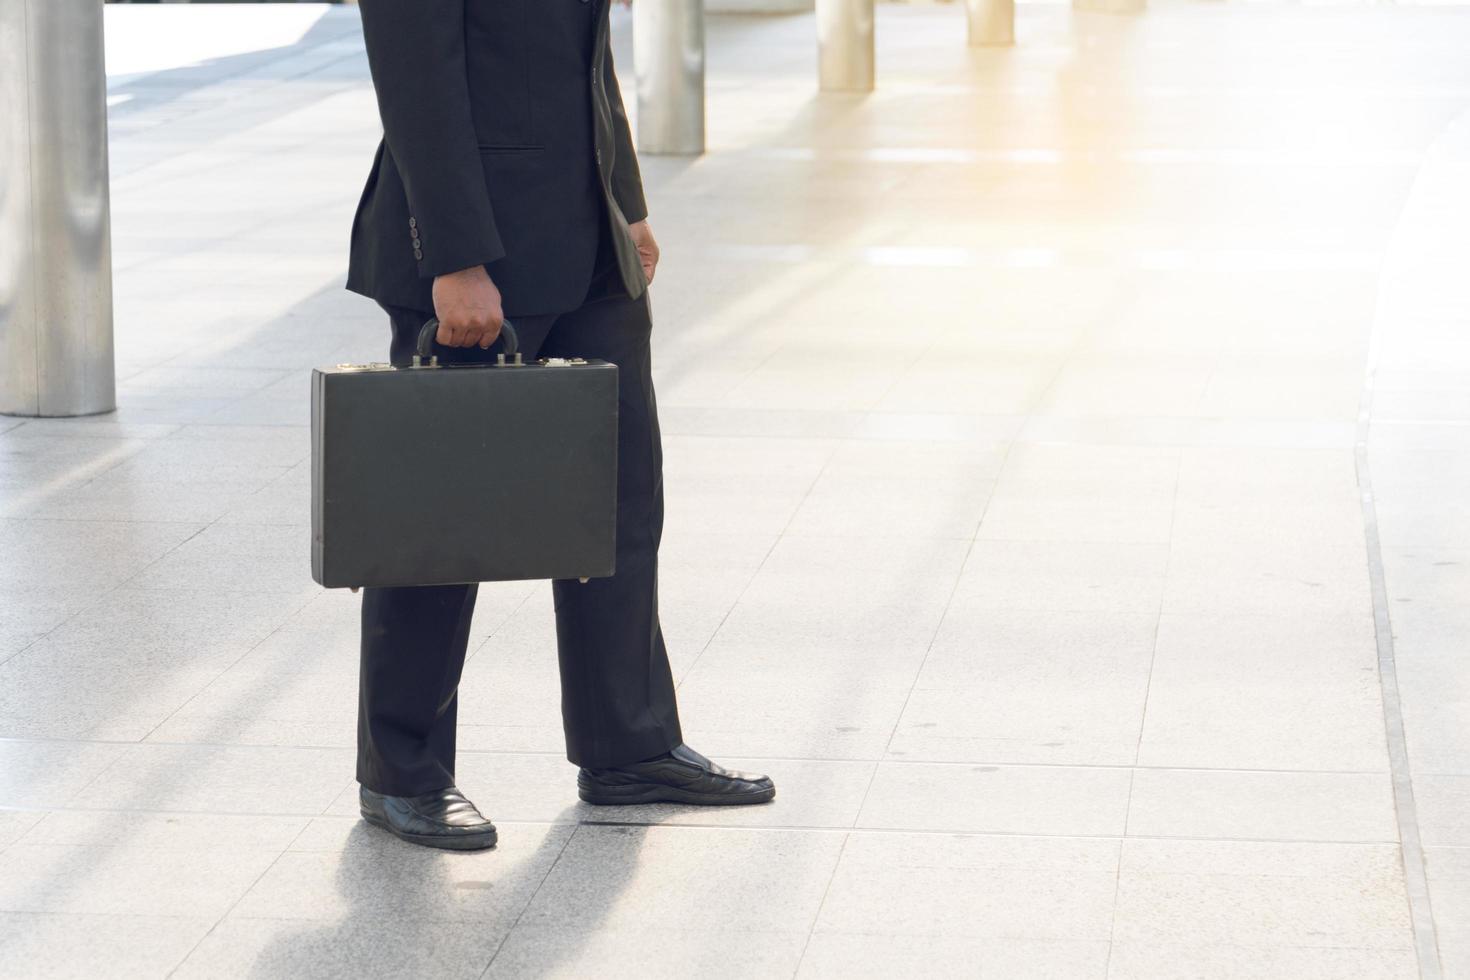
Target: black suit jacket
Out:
[504,144]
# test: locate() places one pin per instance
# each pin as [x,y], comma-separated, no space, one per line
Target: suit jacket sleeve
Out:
[627,182]
[416,52]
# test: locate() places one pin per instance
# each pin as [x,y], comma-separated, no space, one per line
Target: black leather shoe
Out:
[443,818]
[681,776]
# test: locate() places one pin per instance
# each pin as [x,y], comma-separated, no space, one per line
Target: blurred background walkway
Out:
[1066,451]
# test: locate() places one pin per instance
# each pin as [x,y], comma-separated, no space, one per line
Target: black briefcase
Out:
[437,474]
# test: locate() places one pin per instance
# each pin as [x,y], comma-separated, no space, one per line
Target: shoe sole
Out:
[633,795]
[464,842]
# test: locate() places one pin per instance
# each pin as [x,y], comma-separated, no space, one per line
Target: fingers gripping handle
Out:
[508,341]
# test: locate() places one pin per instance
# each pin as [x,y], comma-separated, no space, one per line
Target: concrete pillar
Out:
[845,45]
[992,22]
[668,61]
[55,232]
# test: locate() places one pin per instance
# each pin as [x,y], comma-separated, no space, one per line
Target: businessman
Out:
[506,186]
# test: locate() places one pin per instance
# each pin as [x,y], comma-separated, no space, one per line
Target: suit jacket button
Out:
[413,222]
[418,253]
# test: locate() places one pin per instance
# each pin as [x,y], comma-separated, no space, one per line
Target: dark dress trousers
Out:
[506,144]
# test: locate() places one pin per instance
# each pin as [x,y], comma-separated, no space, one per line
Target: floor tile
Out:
[956,886]
[1264,692]
[127,878]
[1262,805]
[1279,579]
[15,823]
[47,773]
[856,507]
[1030,686]
[220,779]
[342,946]
[1443,804]
[267,706]
[997,799]
[1256,894]
[903,627]
[94,554]
[843,955]
[564,950]
[1140,961]
[625,877]
[76,945]
[344,869]
[792,711]
[180,831]
[1448,870]
[826,572]
[1083,517]
[1063,576]
[1454,958]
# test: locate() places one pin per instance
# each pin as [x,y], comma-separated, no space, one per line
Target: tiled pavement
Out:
[1029,515]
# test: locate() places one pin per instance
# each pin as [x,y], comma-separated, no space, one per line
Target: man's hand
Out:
[647,247]
[468,307]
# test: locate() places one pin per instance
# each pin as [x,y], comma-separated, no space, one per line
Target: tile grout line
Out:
[107,464]
[1143,711]
[220,674]
[943,613]
[1118,877]
[306,825]
[857,815]
[212,681]
[1411,847]
[530,900]
[118,588]
[817,916]
[252,648]
[755,573]
[116,462]
[1006,764]
[1153,653]
[1132,778]
[504,622]
[86,913]
[1117,888]
[844,828]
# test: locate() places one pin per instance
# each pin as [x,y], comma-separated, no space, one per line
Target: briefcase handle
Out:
[508,341]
